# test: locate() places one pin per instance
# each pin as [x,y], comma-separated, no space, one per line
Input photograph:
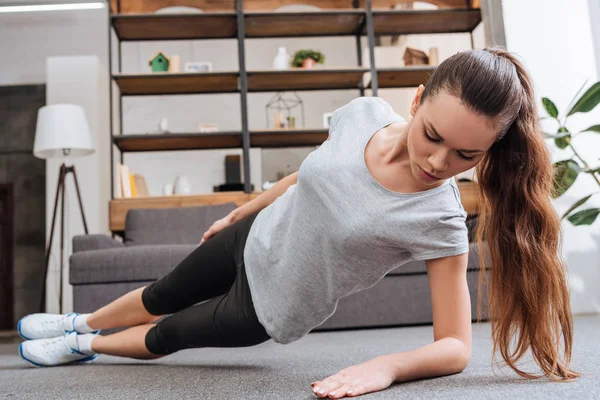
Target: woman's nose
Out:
[439,161]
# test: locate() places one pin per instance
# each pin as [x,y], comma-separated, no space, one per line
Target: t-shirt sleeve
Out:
[335,117]
[448,236]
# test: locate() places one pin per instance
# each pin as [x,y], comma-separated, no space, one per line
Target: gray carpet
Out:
[270,370]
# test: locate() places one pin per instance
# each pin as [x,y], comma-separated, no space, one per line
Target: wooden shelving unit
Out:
[178,141]
[219,140]
[118,207]
[166,83]
[260,24]
[413,22]
[140,27]
[304,24]
[306,79]
[136,20]
[297,79]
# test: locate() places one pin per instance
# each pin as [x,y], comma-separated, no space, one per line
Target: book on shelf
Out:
[141,185]
[131,185]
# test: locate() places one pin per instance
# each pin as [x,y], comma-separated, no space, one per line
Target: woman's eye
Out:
[430,138]
[461,155]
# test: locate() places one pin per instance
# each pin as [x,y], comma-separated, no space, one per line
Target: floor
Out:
[274,371]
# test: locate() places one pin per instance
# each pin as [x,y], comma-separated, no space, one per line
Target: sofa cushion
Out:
[177,225]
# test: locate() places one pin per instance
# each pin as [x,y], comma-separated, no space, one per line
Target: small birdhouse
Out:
[159,62]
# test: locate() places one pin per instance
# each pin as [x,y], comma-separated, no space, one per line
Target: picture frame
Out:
[327,119]
[198,66]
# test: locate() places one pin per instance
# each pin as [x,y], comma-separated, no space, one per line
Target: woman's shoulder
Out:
[369,101]
[370,109]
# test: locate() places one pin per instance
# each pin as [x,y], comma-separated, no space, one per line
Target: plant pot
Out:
[308,63]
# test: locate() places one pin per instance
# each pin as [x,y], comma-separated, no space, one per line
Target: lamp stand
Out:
[60,189]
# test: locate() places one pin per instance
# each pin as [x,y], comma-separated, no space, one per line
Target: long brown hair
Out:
[528,296]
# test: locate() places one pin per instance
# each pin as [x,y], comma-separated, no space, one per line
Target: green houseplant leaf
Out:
[563,138]
[565,173]
[593,128]
[588,100]
[550,107]
[574,206]
[584,217]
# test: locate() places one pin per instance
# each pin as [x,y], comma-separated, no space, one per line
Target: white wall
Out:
[594,7]
[557,48]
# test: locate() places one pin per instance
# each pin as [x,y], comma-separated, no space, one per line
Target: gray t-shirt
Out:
[338,231]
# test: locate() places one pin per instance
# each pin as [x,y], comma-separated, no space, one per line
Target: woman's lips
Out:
[428,176]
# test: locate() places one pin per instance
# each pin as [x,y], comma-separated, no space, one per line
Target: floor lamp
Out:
[62,132]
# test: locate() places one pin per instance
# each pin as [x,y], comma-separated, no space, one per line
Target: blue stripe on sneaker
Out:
[90,358]
[19,329]
[26,359]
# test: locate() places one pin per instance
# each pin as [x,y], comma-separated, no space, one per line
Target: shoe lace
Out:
[57,345]
[50,325]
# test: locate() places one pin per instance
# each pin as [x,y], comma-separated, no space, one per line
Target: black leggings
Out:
[215,276]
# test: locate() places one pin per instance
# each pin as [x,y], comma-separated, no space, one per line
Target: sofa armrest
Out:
[94,242]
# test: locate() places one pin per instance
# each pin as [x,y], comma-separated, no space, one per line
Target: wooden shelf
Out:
[402,77]
[305,79]
[147,6]
[155,83]
[118,207]
[222,25]
[165,83]
[342,22]
[178,141]
[393,22]
[305,24]
[273,138]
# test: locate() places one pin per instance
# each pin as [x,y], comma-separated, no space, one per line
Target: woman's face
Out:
[445,138]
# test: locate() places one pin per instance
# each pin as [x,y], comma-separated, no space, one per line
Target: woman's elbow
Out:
[462,359]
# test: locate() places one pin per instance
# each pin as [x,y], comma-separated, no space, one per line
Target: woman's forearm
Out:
[443,357]
[265,198]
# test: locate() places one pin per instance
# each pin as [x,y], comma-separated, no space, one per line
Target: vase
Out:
[308,63]
[282,59]
[182,185]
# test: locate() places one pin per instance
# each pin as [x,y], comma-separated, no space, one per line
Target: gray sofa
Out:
[156,240]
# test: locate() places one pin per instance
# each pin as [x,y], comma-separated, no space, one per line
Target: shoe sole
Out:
[97,332]
[83,360]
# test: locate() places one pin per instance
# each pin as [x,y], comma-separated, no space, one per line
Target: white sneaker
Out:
[42,325]
[55,351]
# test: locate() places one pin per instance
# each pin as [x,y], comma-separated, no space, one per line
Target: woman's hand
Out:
[371,376]
[217,227]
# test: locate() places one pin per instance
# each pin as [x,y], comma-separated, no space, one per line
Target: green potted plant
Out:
[307,58]
[566,171]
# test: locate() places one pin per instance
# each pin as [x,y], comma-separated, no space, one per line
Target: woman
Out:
[378,193]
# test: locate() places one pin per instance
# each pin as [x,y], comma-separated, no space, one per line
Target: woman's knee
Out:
[157,304]
[157,344]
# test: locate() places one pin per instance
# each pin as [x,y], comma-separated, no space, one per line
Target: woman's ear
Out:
[416,100]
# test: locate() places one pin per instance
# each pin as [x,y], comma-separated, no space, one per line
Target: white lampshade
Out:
[62,127]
